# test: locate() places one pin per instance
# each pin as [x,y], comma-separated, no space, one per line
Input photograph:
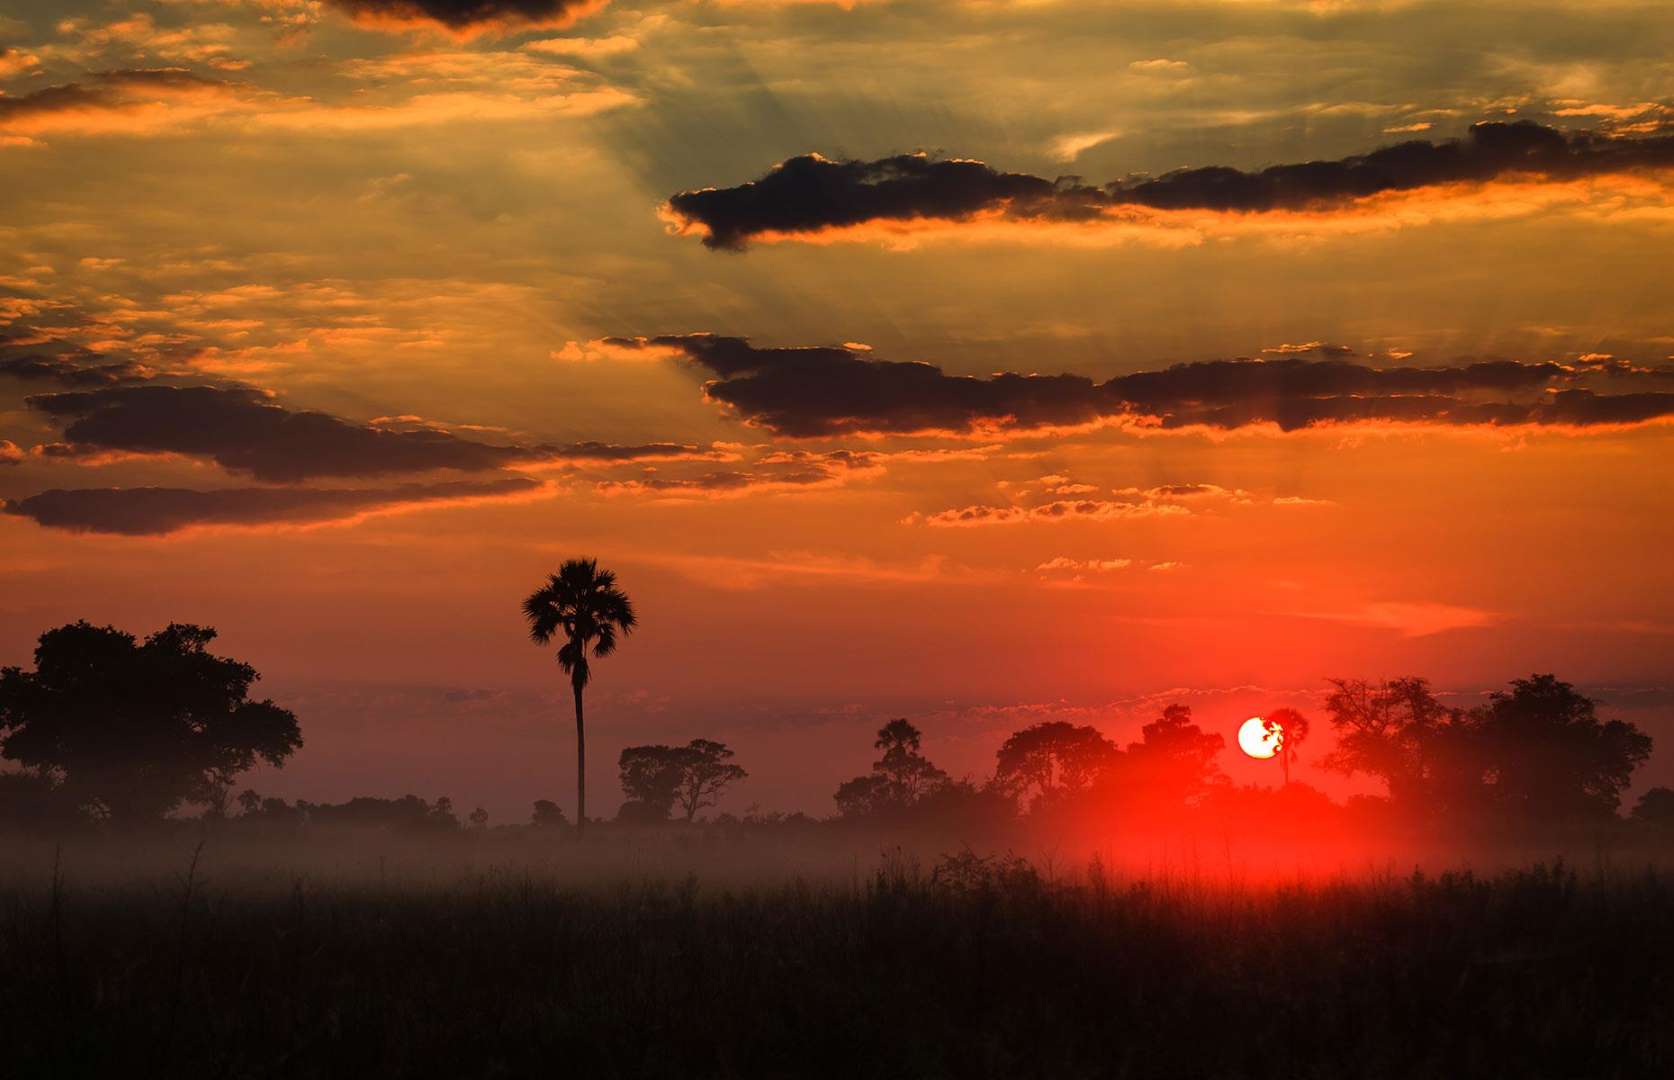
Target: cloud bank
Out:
[810,194]
[154,511]
[831,391]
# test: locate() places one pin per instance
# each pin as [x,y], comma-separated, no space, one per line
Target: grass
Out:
[978,967]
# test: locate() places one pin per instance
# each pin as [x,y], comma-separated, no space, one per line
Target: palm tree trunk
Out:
[580,767]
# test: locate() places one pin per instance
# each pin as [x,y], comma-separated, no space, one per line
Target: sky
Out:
[973,361]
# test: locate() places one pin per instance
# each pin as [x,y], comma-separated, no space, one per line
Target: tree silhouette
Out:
[131,730]
[650,777]
[899,780]
[705,773]
[657,778]
[1056,759]
[1292,729]
[1173,764]
[909,773]
[1547,754]
[582,606]
[1391,730]
[1655,807]
[547,814]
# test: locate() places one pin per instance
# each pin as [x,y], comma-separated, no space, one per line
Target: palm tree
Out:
[582,606]
[1292,730]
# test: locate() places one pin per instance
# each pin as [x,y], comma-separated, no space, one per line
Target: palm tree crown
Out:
[582,605]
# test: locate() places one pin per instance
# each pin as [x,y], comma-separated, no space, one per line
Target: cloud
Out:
[830,391]
[467,18]
[409,90]
[120,101]
[71,369]
[810,194]
[1057,511]
[245,431]
[242,430]
[10,452]
[794,470]
[155,511]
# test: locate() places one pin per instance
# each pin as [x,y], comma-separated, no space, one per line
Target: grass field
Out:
[973,967]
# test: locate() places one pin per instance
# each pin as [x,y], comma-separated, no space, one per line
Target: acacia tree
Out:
[130,730]
[657,778]
[581,606]
[1391,730]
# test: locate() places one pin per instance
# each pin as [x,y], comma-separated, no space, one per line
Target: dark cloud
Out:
[810,193]
[152,511]
[243,430]
[820,392]
[104,91]
[468,16]
[70,369]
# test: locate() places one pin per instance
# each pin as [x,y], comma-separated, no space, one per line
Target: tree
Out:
[581,606]
[1292,728]
[1391,730]
[1055,759]
[478,818]
[910,774]
[130,730]
[1655,807]
[657,778]
[1174,763]
[1548,754]
[705,773]
[899,780]
[547,814]
[650,777]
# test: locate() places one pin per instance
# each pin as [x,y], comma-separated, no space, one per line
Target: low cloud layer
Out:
[155,511]
[468,17]
[811,194]
[830,391]
[243,430]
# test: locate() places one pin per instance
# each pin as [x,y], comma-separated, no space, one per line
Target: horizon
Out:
[1112,356]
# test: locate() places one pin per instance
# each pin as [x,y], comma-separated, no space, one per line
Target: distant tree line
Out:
[113,729]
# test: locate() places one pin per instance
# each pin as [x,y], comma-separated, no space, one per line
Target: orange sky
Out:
[402,265]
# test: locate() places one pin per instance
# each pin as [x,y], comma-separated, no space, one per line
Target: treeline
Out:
[111,729]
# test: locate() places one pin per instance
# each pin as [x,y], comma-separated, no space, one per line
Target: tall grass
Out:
[960,967]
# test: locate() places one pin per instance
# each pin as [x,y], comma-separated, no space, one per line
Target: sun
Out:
[1259,739]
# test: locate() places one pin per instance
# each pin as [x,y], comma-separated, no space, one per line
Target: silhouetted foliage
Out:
[132,730]
[1389,730]
[1656,807]
[367,812]
[1536,752]
[899,780]
[1292,728]
[1547,754]
[35,801]
[656,779]
[547,814]
[1054,760]
[1170,768]
[582,606]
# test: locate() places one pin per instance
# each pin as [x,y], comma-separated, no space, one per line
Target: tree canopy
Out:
[656,779]
[130,730]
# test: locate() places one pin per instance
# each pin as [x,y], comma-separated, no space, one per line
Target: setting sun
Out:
[1259,739]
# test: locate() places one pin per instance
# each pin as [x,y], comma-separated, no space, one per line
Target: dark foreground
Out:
[982,969]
